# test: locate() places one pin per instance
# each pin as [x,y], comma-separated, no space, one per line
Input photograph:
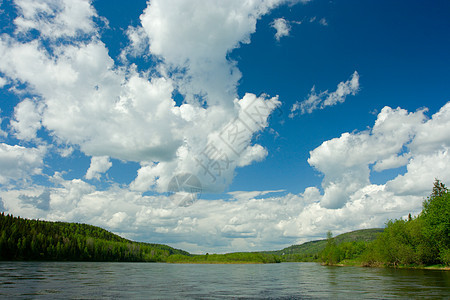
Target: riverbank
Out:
[217,262]
[228,258]
[350,263]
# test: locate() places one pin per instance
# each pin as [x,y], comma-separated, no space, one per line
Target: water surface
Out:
[82,280]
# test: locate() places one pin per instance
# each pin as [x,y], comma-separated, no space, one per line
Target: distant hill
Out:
[24,239]
[309,251]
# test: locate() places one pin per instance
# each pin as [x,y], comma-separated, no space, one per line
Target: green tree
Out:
[34,239]
[436,224]
[424,240]
[331,254]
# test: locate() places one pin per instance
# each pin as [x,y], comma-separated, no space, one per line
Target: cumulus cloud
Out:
[3,82]
[88,104]
[99,165]
[214,160]
[2,133]
[251,221]
[267,220]
[251,154]
[74,17]
[41,201]
[323,99]
[85,100]
[422,169]
[199,47]
[18,164]
[397,139]
[243,195]
[138,43]
[282,27]
[27,120]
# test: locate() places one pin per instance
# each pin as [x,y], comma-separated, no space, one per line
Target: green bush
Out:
[424,240]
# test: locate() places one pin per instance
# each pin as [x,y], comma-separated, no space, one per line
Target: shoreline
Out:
[440,268]
[359,265]
[219,263]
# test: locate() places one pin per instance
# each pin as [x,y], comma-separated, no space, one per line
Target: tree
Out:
[33,239]
[424,240]
[439,189]
[436,224]
[331,254]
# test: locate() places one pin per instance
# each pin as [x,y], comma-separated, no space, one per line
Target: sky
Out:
[219,126]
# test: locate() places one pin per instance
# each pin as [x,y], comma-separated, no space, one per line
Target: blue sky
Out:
[291,117]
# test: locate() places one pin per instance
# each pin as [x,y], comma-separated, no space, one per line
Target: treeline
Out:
[349,243]
[24,239]
[237,257]
[335,253]
[420,241]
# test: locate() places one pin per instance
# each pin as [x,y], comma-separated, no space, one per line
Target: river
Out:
[87,280]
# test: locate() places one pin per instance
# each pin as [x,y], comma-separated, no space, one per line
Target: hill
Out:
[24,239]
[310,251]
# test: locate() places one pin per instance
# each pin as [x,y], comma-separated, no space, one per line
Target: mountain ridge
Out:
[28,239]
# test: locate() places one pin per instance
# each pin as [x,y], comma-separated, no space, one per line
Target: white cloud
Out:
[3,82]
[243,195]
[138,43]
[87,103]
[27,121]
[252,154]
[117,219]
[2,133]
[214,159]
[422,169]
[18,164]
[434,134]
[199,47]
[282,27]
[392,162]
[397,139]
[64,151]
[324,99]
[99,165]
[264,220]
[84,100]
[74,17]
[259,220]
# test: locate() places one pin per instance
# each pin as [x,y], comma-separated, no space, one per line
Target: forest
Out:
[311,251]
[24,239]
[420,241]
[228,258]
